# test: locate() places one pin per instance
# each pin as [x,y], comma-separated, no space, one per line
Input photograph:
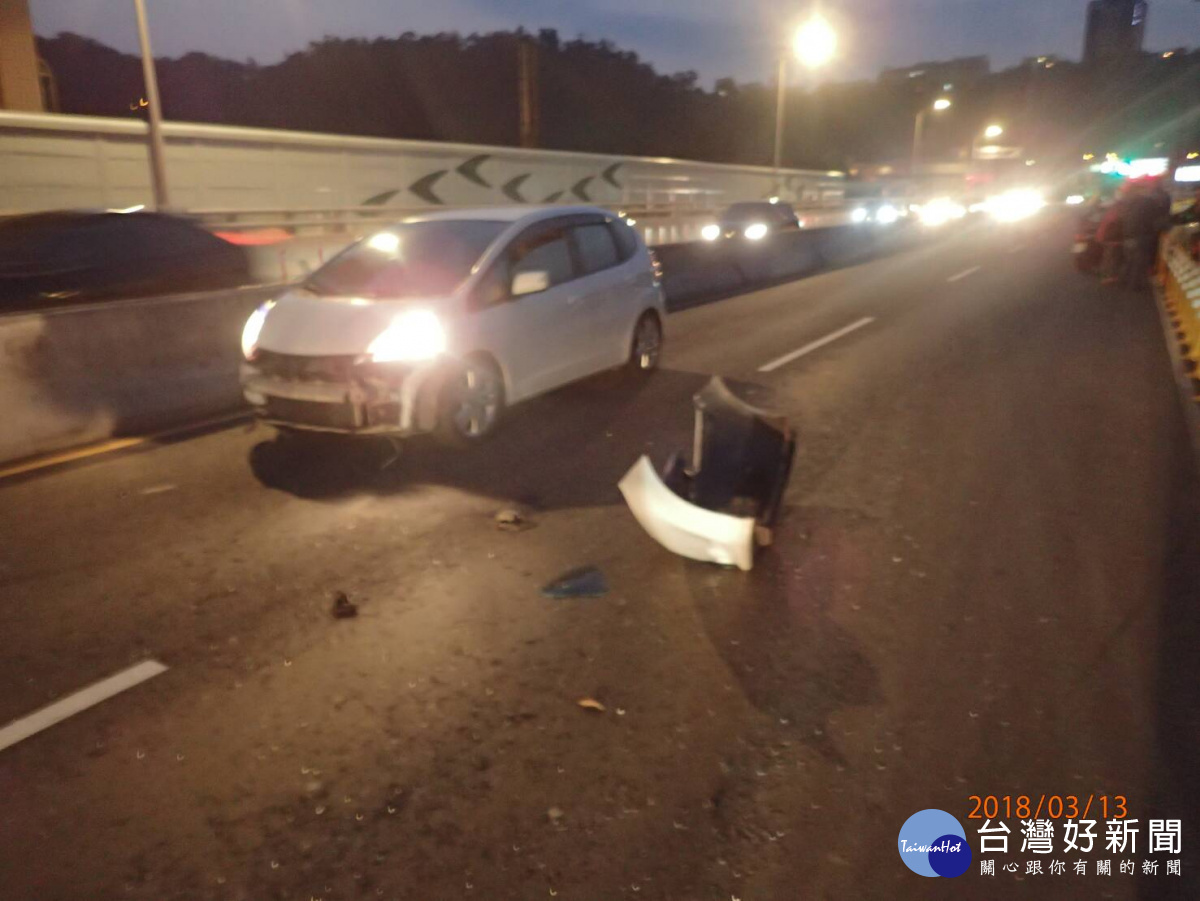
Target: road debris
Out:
[512,520]
[343,608]
[725,503]
[555,815]
[585,582]
[592,704]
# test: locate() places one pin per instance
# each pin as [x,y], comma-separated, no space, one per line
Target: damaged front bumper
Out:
[342,395]
[684,528]
[741,463]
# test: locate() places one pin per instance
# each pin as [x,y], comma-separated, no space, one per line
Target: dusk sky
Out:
[714,37]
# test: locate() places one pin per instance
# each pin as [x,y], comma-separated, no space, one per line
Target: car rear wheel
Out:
[472,402]
[646,349]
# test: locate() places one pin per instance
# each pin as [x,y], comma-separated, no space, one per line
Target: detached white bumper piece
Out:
[684,528]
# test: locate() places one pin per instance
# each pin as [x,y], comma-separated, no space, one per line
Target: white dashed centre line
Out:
[819,343]
[21,729]
[964,274]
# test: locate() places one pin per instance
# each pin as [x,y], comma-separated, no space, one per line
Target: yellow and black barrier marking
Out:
[1179,276]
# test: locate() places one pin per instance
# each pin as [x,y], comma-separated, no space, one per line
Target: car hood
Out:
[309,324]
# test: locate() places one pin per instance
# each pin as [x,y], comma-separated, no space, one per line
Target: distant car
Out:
[880,212]
[752,221]
[441,321]
[78,257]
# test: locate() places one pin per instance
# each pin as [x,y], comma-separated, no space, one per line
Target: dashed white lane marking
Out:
[964,274]
[21,729]
[819,343]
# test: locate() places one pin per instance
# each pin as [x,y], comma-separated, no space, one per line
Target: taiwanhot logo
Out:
[933,843]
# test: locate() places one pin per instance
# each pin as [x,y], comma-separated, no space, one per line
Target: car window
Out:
[626,238]
[597,250]
[493,286]
[174,236]
[544,251]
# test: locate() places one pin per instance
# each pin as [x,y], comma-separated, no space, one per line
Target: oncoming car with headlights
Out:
[439,322]
[752,221]
[880,212]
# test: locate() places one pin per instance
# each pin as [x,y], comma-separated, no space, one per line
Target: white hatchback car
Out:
[438,322]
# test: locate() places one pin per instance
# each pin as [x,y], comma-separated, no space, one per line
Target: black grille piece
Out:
[309,412]
[305,369]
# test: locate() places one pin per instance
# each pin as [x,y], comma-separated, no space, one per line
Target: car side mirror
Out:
[530,283]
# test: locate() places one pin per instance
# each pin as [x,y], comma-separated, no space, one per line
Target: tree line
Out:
[597,97]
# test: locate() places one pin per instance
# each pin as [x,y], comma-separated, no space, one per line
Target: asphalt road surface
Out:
[986,583]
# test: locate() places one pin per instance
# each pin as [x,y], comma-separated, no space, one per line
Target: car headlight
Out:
[710,232]
[413,336]
[859,215]
[384,242]
[1015,205]
[253,328]
[887,214]
[755,232]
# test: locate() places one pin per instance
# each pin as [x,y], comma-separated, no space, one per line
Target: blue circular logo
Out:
[932,843]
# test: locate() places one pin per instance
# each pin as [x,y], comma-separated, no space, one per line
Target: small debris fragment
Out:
[343,608]
[555,814]
[593,704]
[586,582]
[511,520]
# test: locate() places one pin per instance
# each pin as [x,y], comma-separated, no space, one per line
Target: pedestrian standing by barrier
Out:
[1141,221]
[1110,236]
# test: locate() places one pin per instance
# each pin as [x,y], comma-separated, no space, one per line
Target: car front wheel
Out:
[472,402]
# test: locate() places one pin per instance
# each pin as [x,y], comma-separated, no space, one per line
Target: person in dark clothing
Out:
[1141,222]
[1110,236]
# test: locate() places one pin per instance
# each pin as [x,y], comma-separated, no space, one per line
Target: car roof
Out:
[511,213]
[52,219]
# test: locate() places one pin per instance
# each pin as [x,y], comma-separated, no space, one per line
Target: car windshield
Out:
[412,259]
[749,212]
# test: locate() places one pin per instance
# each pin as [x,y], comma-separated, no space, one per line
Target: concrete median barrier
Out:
[77,375]
[702,269]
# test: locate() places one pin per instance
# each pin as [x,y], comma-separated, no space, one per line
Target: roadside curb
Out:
[42,463]
[1183,379]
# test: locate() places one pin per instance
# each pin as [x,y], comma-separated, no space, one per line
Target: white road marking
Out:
[21,729]
[819,343]
[964,274]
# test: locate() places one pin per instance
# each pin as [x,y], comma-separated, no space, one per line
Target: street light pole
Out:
[942,103]
[779,115]
[918,131]
[158,167]
[814,44]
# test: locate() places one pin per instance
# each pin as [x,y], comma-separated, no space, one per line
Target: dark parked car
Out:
[753,221]
[60,258]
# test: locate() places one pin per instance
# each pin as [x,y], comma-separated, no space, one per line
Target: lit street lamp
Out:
[990,133]
[158,166]
[813,45]
[942,103]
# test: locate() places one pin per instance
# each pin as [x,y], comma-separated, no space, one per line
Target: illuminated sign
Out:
[1188,174]
[1150,167]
